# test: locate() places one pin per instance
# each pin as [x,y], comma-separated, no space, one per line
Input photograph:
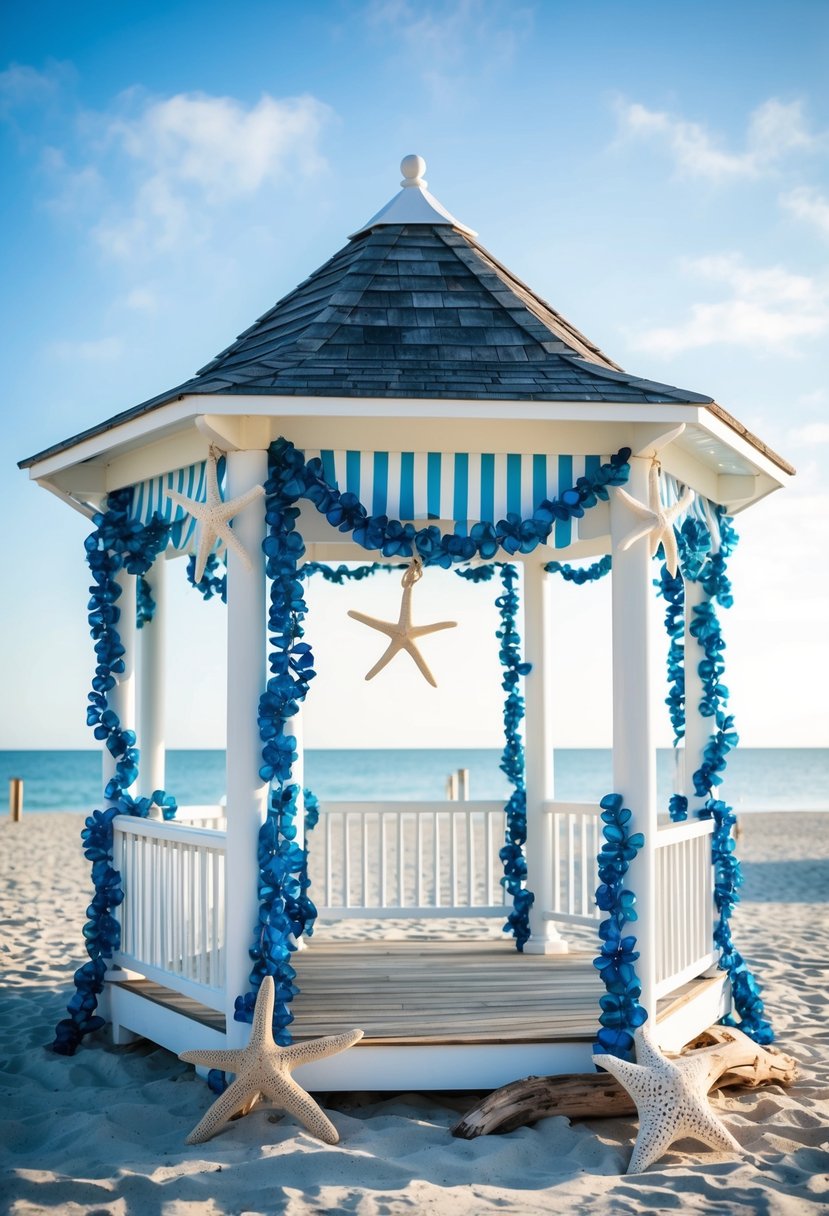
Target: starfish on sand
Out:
[671,1097]
[213,517]
[263,1067]
[402,632]
[657,521]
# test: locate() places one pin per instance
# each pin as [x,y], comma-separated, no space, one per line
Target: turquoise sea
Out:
[759,779]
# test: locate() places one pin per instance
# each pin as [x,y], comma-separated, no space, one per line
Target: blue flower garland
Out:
[213,581]
[581,574]
[342,574]
[709,569]
[117,543]
[621,1011]
[512,761]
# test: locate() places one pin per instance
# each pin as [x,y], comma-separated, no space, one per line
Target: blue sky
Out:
[657,172]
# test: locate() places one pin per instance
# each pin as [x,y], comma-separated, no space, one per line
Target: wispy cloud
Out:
[806,203]
[22,86]
[148,174]
[449,43]
[775,129]
[768,308]
[192,153]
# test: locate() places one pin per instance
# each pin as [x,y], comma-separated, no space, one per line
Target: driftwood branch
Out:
[734,1060]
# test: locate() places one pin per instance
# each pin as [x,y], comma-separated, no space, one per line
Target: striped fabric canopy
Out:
[464,487]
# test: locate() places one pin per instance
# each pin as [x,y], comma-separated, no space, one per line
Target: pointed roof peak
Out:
[413,204]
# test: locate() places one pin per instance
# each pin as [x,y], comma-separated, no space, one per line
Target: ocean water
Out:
[767,779]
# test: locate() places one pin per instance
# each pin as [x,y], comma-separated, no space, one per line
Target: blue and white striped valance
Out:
[150,498]
[461,486]
[464,487]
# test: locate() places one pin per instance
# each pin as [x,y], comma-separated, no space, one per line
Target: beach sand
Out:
[103,1132]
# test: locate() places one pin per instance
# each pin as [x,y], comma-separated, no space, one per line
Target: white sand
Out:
[103,1132]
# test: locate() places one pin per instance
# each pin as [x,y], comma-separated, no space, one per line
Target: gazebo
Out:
[412,402]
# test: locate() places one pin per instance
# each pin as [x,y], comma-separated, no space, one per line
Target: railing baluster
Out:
[401,902]
[489,897]
[419,861]
[436,856]
[364,846]
[329,894]
[383,847]
[470,860]
[347,857]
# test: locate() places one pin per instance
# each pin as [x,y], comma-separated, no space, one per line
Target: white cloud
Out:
[774,130]
[808,204]
[89,350]
[453,45]
[193,153]
[22,85]
[768,307]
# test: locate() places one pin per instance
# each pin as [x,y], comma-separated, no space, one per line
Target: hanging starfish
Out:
[671,1097]
[263,1067]
[657,521]
[213,516]
[402,632]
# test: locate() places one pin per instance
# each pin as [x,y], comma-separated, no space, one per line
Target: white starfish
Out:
[263,1067]
[402,632]
[213,516]
[671,1097]
[657,521]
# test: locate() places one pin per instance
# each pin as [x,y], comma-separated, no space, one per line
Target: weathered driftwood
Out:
[734,1060]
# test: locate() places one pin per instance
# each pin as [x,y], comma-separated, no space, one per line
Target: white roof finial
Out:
[414,204]
[413,167]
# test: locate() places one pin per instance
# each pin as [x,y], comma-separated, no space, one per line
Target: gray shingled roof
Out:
[420,311]
[412,310]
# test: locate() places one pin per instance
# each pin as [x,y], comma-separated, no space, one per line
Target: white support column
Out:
[634,753]
[152,685]
[121,698]
[544,938]
[246,677]
[697,728]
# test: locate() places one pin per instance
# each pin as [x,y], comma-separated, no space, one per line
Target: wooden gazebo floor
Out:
[435,992]
[444,992]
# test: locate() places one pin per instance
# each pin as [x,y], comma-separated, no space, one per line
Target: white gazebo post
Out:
[697,728]
[152,685]
[121,698]
[544,937]
[246,676]
[634,754]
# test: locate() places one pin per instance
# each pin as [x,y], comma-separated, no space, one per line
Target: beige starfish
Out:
[657,521]
[213,516]
[671,1097]
[402,632]
[263,1067]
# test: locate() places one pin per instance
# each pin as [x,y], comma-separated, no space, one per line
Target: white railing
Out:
[172,917]
[684,922]
[576,841]
[408,859]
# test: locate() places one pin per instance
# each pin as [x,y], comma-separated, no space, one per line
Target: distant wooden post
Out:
[452,787]
[463,784]
[16,798]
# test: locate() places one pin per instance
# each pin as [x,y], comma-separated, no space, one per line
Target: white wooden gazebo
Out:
[418,375]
